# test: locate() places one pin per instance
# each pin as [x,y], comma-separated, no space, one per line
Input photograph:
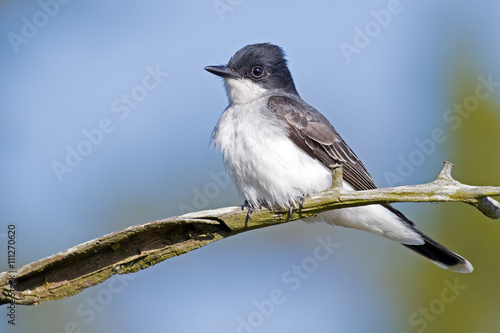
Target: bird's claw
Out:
[301,203]
[250,207]
[292,206]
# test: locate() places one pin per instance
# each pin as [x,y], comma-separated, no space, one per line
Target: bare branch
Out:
[69,272]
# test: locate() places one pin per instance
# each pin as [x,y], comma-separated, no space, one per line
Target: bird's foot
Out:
[250,207]
[294,205]
[301,203]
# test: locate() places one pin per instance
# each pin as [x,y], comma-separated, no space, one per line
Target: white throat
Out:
[243,91]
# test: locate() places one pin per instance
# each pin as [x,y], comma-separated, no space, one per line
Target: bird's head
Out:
[254,71]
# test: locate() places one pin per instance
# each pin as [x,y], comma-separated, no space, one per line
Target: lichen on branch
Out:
[71,271]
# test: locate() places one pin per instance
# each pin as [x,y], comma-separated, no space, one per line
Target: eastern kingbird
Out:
[277,148]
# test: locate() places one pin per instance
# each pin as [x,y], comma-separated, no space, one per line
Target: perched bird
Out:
[278,149]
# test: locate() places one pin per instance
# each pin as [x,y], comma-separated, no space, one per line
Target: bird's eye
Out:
[257,72]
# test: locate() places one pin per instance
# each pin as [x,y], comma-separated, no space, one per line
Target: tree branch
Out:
[69,272]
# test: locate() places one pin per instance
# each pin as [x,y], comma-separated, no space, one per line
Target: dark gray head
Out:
[263,64]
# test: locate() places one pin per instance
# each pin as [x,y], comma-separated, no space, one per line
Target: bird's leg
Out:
[249,208]
[301,203]
[292,206]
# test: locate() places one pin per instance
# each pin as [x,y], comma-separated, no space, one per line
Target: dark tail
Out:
[434,251]
[440,255]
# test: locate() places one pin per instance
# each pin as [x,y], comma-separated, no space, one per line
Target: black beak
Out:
[223,71]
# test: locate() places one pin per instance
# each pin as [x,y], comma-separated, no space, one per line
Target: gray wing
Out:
[314,134]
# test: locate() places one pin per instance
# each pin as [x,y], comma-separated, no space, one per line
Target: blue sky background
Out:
[63,77]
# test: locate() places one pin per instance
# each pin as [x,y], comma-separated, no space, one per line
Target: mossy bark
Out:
[69,272]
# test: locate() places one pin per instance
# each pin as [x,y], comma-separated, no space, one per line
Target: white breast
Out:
[264,163]
[269,168]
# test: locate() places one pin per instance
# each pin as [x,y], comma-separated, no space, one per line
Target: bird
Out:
[278,150]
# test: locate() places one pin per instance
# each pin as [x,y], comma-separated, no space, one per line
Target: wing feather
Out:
[314,134]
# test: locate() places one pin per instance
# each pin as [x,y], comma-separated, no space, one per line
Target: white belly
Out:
[264,163]
[267,167]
